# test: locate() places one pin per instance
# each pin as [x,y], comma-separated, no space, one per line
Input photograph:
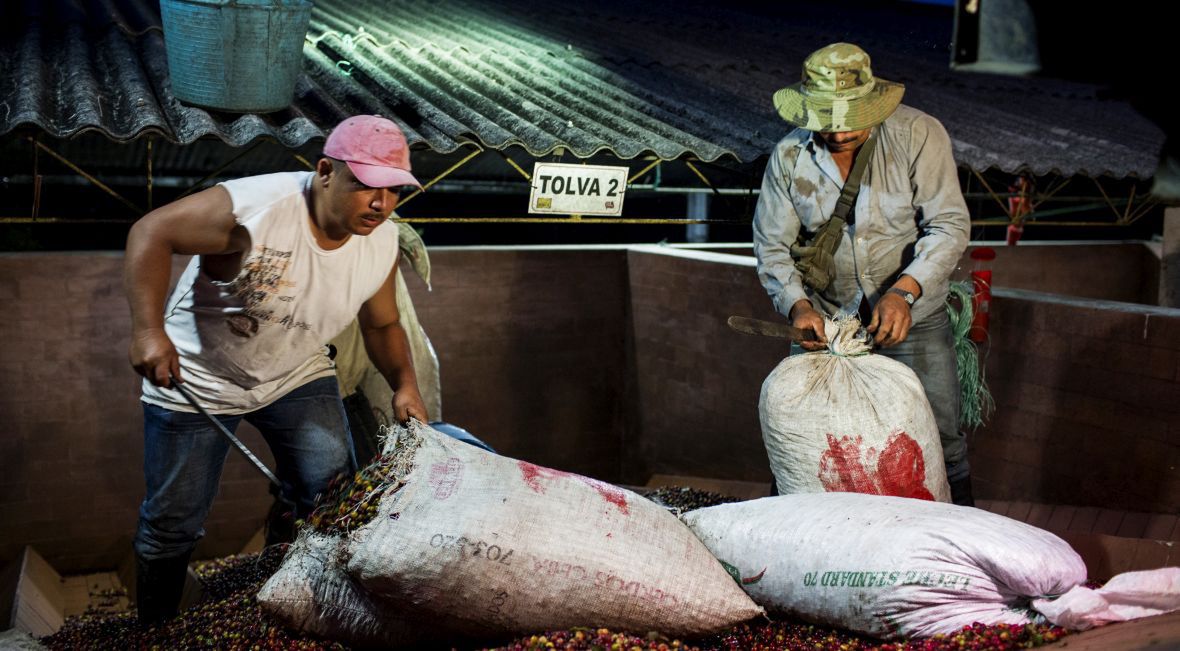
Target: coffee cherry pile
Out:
[223,577]
[98,631]
[797,636]
[793,636]
[595,638]
[228,619]
[680,499]
[350,503]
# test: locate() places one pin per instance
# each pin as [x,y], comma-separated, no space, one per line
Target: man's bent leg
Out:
[182,460]
[307,431]
[929,351]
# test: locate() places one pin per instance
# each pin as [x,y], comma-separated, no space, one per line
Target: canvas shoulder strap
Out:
[847,198]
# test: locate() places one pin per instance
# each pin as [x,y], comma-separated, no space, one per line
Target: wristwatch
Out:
[908,297]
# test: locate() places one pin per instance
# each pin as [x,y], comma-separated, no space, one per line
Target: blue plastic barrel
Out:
[235,55]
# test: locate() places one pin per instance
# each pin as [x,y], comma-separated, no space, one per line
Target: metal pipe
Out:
[102,186]
[560,220]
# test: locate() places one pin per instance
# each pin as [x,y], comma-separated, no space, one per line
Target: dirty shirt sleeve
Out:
[944,221]
[776,225]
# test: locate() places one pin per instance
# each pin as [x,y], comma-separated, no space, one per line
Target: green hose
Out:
[975,404]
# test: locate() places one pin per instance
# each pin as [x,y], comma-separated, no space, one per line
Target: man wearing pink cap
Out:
[281,264]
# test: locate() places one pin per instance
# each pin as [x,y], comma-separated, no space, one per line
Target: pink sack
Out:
[1128,596]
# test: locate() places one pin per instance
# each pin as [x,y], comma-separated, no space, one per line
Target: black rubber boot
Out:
[280,521]
[159,584]
[961,492]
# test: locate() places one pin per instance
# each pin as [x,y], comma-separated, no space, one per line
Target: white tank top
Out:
[245,343]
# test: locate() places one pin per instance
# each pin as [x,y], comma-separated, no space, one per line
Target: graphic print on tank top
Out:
[260,283]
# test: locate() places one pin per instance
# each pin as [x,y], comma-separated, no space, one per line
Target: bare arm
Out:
[386,343]
[200,224]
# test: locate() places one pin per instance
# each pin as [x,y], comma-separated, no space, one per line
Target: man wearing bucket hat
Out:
[861,213]
[282,263]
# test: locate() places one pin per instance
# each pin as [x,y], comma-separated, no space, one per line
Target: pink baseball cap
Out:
[375,150]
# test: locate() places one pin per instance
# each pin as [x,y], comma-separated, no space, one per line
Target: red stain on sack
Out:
[841,470]
[444,477]
[899,470]
[533,474]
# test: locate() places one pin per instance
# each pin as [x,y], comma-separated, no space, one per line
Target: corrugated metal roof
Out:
[670,79]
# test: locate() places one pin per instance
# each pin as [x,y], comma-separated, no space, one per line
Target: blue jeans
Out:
[184,454]
[929,351]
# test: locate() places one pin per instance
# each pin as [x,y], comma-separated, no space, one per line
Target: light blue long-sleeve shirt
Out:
[910,217]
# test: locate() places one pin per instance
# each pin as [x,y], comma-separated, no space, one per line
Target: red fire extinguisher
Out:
[981,301]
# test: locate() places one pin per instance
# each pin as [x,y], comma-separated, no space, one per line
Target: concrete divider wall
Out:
[71,426]
[1105,270]
[532,346]
[532,349]
[609,361]
[1088,404]
[698,381]
[1087,391]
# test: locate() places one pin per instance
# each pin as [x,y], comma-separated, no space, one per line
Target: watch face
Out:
[906,296]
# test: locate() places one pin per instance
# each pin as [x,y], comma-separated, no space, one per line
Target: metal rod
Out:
[516,167]
[559,220]
[1042,199]
[1034,216]
[1143,209]
[1107,198]
[478,150]
[61,220]
[36,182]
[992,193]
[102,186]
[643,171]
[446,185]
[1130,202]
[1036,197]
[1004,222]
[225,432]
[193,187]
[701,176]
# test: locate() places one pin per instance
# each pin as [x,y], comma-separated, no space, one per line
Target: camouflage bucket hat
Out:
[838,92]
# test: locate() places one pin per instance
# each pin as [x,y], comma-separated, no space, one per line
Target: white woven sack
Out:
[1127,596]
[311,593]
[845,420]
[885,566]
[493,546]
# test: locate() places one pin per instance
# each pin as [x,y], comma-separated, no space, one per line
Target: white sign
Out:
[560,188]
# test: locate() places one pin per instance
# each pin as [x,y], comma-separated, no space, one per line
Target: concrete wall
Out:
[532,346]
[1115,271]
[71,432]
[608,361]
[697,381]
[1088,404]
[1087,392]
[1109,271]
